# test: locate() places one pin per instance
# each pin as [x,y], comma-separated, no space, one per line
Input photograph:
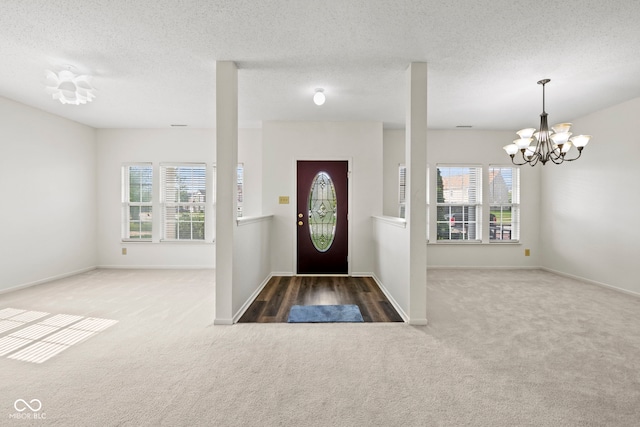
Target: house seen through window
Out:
[137,201]
[504,201]
[459,202]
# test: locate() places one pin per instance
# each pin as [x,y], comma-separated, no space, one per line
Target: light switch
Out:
[283,200]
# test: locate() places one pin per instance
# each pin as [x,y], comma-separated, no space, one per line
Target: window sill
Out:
[474,242]
[186,242]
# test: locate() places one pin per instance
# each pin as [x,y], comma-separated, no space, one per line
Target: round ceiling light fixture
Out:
[318,97]
[69,88]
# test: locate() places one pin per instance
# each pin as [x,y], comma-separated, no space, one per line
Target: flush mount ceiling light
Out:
[545,144]
[69,88]
[318,97]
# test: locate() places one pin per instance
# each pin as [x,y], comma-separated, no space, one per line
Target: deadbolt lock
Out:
[300,222]
[299,215]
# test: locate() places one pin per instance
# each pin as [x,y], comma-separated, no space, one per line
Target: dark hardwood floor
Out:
[277,297]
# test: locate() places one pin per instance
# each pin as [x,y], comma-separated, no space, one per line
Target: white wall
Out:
[118,146]
[391,243]
[48,187]
[252,261]
[469,147]
[590,206]
[286,142]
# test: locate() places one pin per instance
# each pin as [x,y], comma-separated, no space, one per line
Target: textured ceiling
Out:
[153,61]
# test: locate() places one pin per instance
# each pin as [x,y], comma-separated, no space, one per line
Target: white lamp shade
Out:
[561,138]
[580,140]
[529,152]
[69,88]
[526,133]
[561,127]
[511,149]
[523,143]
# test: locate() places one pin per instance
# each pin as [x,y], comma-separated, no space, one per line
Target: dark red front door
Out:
[321,218]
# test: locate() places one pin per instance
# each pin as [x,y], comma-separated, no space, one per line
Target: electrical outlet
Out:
[527,252]
[124,251]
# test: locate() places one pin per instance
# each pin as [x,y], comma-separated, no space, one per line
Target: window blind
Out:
[184,196]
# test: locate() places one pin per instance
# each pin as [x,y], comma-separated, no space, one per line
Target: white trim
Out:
[283,273]
[182,242]
[592,282]
[223,322]
[157,267]
[474,242]
[245,220]
[481,267]
[392,300]
[46,280]
[322,275]
[395,221]
[251,299]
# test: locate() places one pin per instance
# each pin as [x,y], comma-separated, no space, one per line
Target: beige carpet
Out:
[503,348]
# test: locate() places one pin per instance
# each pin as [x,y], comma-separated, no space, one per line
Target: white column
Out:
[416,199]
[226,170]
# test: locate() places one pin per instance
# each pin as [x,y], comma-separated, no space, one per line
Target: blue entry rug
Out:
[324,313]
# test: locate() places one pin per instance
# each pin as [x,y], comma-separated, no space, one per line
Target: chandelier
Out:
[70,88]
[546,145]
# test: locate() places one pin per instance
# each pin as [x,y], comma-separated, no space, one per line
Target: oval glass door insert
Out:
[322,211]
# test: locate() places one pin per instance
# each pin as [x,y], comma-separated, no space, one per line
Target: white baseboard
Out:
[481,267]
[156,267]
[47,279]
[591,282]
[392,300]
[250,300]
[282,273]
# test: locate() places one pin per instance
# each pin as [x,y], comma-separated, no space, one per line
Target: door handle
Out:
[300,223]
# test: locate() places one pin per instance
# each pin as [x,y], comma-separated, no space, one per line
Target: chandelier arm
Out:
[535,162]
[557,159]
[575,158]
[514,161]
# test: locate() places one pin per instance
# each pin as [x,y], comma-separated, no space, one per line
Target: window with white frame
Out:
[402,193]
[137,201]
[402,190]
[428,204]
[459,201]
[240,186]
[504,202]
[239,189]
[184,196]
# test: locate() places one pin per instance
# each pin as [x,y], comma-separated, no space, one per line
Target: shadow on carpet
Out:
[324,314]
